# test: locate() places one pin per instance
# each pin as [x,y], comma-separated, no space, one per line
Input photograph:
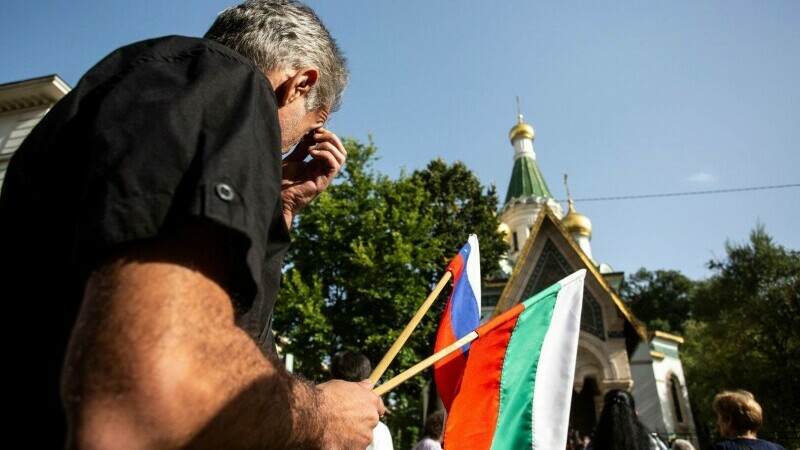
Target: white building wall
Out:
[22,106]
[520,214]
[14,128]
[668,370]
[645,390]
[519,220]
[654,367]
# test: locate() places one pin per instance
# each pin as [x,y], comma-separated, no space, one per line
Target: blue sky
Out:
[627,97]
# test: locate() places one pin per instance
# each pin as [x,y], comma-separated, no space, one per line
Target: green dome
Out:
[527,180]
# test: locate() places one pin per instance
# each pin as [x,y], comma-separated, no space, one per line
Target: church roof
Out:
[527,180]
[516,280]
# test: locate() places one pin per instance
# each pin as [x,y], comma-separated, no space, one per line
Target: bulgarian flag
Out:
[517,386]
[462,315]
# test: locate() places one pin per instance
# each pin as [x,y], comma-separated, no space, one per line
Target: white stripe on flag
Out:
[552,394]
[473,269]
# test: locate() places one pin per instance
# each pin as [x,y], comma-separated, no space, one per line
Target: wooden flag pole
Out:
[424,364]
[401,340]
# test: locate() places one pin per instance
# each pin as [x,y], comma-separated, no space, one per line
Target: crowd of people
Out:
[739,418]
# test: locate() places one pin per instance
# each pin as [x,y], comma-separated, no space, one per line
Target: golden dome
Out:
[506,231]
[521,129]
[574,222]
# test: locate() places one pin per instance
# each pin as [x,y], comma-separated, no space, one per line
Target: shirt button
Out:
[224,191]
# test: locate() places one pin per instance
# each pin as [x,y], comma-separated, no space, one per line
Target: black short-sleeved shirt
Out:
[158,133]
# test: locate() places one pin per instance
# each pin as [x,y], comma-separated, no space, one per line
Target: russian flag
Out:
[461,315]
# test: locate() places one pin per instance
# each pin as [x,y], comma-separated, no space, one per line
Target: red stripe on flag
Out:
[474,411]
[456,266]
[447,371]
[501,319]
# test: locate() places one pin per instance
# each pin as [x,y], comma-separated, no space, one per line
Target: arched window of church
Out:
[516,242]
[674,387]
[592,316]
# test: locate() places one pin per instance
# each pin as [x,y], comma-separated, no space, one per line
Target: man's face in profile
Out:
[296,123]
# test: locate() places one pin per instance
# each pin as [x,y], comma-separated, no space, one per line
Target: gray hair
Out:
[277,34]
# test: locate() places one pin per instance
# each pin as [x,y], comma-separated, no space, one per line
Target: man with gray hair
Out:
[159,192]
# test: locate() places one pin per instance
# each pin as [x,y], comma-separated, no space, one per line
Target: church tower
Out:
[527,191]
[615,349]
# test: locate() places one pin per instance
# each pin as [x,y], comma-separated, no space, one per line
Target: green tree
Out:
[459,206]
[363,258]
[661,299]
[745,334]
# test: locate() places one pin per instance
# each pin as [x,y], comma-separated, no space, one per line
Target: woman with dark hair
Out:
[619,427]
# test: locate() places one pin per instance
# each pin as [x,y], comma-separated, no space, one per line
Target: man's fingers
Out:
[325,135]
[334,139]
[319,139]
[326,150]
[368,384]
[351,411]
[381,408]
[300,151]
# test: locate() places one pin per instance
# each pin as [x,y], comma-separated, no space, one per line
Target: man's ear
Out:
[296,86]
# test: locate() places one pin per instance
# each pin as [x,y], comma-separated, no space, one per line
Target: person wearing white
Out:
[355,367]
[428,444]
[381,438]
[434,430]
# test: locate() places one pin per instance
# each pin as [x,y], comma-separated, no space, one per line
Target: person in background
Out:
[574,440]
[148,214]
[432,433]
[681,444]
[355,367]
[619,427]
[739,418]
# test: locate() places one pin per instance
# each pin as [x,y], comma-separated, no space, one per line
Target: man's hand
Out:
[302,181]
[350,411]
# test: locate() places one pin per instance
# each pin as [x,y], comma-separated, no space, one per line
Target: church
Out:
[615,350]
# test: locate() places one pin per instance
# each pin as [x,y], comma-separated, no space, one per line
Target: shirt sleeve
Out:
[189,135]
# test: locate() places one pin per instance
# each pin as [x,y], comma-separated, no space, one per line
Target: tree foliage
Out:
[745,333]
[363,258]
[661,299]
[459,206]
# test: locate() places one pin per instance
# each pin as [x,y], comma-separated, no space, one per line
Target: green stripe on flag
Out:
[514,421]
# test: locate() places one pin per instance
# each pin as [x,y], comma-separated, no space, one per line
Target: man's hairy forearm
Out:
[281,411]
[156,361]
